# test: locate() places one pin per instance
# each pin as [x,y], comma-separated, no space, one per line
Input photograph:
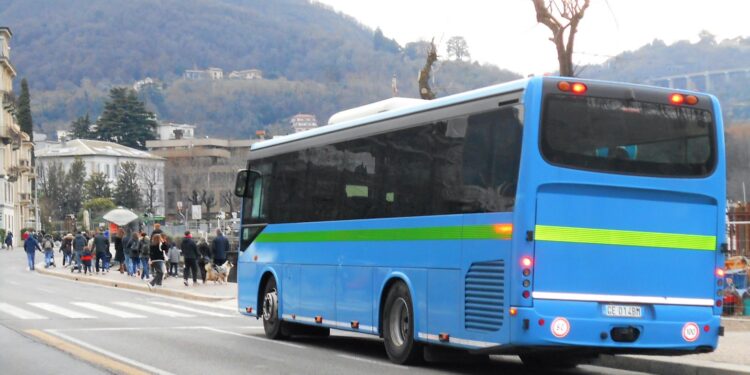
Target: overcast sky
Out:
[505,32]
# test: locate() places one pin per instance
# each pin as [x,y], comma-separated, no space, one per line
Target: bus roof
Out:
[419,107]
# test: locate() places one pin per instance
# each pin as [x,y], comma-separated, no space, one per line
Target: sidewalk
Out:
[171,286]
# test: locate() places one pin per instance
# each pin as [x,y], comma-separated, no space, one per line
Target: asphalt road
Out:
[50,325]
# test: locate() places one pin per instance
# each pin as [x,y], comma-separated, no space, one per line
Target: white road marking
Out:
[372,362]
[108,310]
[19,313]
[60,310]
[118,357]
[154,310]
[254,338]
[185,308]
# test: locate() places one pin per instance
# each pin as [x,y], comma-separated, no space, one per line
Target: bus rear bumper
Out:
[661,329]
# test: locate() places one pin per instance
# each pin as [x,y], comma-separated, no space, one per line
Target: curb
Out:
[133,286]
[672,366]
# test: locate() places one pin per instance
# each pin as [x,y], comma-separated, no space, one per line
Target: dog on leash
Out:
[218,274]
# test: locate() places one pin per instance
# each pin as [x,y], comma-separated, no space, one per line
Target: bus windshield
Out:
[627,136]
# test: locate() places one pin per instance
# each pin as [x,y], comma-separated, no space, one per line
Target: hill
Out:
[313,59]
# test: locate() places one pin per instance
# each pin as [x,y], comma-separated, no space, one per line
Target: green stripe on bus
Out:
[470,232]
[624,237]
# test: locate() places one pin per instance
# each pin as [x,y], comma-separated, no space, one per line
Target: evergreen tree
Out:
[97,186]
[23,114]
[125,120]
[81,128]
[73,180]
[127,191]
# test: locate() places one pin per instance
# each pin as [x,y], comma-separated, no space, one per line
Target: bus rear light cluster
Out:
[575,87]
[526,263]
[679,99]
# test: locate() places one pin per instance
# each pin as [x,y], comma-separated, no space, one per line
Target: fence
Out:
[736,295]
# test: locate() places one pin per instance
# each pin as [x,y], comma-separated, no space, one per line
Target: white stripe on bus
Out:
[623,299]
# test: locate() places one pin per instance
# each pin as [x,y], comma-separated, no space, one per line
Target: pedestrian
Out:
[204,252]
[133,250]
[86,256]
[79,243]
[30,245]
[67,249]
[9,240]
[174,259]
[101,246]
[157,229]
[119,249]
[156,253]
[48,245]
[220,248]
[144,244]
[190,251]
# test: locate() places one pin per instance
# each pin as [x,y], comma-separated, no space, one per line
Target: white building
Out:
[248,74]
[168,130]
[106,158]
[302,122]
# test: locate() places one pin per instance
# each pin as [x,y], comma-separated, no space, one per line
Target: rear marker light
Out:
[249,310]
[541,322]
[720,272]
[718,303]
[691,100]
[706,328]
[503,229]
[676,99]
[526,272]
[444,337]
[579,88]
[526,294]
[355,324]
[526,261]
[526,283]
[318,319]
[513,311]
[563,86]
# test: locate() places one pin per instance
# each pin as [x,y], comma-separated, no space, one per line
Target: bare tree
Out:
[562,16]
[208,200]
[150,179]
[424,75]
[457,47]
[229,200]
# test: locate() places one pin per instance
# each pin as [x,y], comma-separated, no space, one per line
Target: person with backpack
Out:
[49,251]
[79,243]
[205,257]
[31,245]
[67,249]
[133,251]
[143,250]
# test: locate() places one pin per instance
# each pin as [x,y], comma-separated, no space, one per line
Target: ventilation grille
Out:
[485,295]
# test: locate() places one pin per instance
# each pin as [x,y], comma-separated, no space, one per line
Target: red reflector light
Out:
[541,322]
[513,311]
[249,310]
[563,86]
[676,99]
[444,337]
[718,303]
[526,294]
[706,328]
[318,319]
[526,261]
[578,88]
[691,100]
[719,272]
[355,324]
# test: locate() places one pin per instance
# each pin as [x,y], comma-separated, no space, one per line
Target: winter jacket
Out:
[189,248]
[79,242]
[101,244]
[48,244]
[205,251]
[31,244]
[133,248]
[220,247]
[174,254]
[144,247]
[155,252]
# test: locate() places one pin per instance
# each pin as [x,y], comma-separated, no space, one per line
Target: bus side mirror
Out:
[243,186]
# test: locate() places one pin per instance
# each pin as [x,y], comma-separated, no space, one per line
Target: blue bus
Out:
[551,218]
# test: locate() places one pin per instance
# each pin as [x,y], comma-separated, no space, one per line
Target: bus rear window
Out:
[626,136]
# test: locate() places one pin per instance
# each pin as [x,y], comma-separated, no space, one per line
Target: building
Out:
[169,130]
[16,150]
[145,83]
[248,74]
[302,122]
[215,73]
[201,164]
[106,158]
[197,74]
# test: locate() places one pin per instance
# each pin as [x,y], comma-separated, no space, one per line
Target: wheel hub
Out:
[269,306]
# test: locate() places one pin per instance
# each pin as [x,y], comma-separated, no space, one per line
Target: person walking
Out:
[144,246]
[174,259]
[9,240]
[119,249]
[79,242]
[31,245]
[220,248]
[133,251]
[156,253]
[49,251]
[190,251]
[67,249]
[204,252]
[101,246]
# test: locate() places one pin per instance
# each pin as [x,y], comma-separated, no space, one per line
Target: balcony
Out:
[25,198]
[5,61]
[24,165]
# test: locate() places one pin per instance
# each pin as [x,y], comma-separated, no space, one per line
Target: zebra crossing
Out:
[91,310]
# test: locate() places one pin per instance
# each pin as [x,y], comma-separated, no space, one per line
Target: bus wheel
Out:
[398,327]
[272,324]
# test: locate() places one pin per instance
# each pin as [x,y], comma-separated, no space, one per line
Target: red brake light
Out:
[526,261]
[579,88]
[676,99]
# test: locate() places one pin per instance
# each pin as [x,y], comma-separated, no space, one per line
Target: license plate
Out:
[623,311]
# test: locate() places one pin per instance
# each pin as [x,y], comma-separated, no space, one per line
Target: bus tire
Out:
[398,327]
[273,326]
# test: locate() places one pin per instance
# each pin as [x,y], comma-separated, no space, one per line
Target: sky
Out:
[505,32]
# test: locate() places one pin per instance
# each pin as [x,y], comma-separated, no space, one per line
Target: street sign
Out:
[196,212]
